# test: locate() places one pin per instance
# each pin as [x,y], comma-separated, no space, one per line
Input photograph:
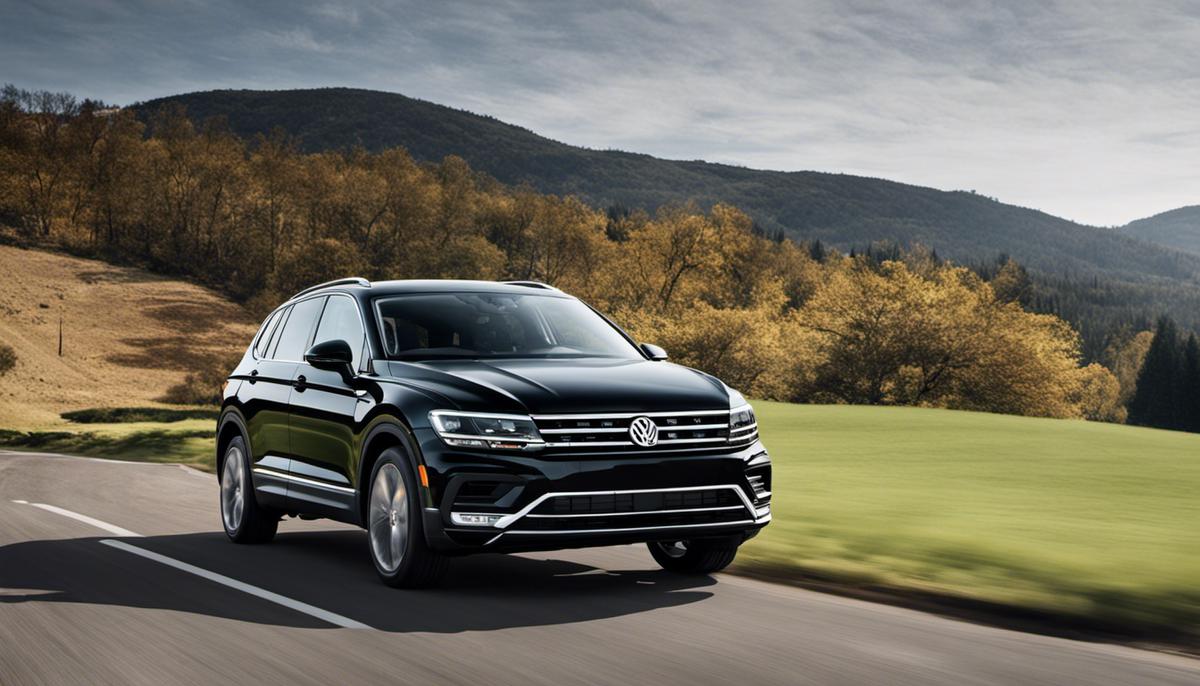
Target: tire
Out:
[701,556]
[245,521]
[395,533]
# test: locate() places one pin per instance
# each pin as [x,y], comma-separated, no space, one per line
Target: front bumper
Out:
[482,502]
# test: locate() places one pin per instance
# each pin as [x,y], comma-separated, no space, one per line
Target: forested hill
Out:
[1175,229]
[840,210]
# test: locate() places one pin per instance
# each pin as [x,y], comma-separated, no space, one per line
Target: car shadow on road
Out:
[330,570]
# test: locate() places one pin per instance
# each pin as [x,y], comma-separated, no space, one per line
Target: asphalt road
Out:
[74,609]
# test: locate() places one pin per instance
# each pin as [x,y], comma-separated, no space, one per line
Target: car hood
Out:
[540,386]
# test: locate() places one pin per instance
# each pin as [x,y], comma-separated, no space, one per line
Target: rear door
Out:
[271,383]
[325,409]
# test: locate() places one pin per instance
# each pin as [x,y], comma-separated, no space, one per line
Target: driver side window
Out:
[340,320]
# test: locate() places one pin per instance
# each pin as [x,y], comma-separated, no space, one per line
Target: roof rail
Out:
[356,280]
[532,284]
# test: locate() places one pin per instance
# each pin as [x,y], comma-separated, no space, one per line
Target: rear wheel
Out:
[394,532]
[699,556]
[244,520]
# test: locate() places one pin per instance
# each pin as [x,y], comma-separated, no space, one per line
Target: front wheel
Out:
[245,521]
[394,531]
[700,556]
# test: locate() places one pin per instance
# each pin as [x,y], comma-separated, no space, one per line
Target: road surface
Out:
[117,572]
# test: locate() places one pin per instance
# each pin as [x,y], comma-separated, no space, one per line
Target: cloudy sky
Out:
[1089,110]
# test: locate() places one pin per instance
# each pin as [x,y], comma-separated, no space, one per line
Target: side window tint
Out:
[341,321]
[293,339]
[264,339]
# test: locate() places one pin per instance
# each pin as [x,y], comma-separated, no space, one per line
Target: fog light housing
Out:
[474,518]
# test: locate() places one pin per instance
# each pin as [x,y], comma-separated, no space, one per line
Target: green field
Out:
[1095,521]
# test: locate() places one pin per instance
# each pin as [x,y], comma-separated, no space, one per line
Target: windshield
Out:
[426,326]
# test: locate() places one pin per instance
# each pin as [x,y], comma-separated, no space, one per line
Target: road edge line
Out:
[270,596]
[110,528]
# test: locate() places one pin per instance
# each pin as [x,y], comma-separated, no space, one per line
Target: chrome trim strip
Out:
[620,429]
[648,449]
[628,514]
[300,479]
[509,519]
[741,522]
[750,427]
[629,415]
[759,459]
[605,430]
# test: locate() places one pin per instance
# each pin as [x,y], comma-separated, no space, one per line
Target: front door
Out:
[325,411]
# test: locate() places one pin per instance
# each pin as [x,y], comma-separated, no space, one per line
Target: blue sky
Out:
[1088,110]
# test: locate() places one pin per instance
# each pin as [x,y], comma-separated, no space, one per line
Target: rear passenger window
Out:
[264,338]
[341,321]
[293,339]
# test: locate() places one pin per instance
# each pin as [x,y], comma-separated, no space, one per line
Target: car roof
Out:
[363,288]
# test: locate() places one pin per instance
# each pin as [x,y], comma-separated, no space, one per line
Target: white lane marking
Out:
[21,502]
[110,528]
[305,608]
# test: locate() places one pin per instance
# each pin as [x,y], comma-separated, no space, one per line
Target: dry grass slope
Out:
[128,335]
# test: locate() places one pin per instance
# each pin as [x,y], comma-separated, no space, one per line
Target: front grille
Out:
[698,429]
[632,503]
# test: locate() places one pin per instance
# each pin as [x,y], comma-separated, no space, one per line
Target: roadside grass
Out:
[1089,522]
[187,441]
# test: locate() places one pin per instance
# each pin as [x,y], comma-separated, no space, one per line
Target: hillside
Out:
[1179,229]
[841,210]
[128,335]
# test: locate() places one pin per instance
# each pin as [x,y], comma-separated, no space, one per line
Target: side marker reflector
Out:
[423,475]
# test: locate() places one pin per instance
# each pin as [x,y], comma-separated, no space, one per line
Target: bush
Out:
[201,387]
[8,359]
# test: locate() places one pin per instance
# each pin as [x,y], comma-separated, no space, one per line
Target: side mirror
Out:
[653,351]
[334,356]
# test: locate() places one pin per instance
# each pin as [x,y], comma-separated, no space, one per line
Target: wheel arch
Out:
[389,431]
[230,426]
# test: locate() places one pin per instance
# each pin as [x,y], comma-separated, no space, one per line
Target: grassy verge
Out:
[186,441]
[1093,524]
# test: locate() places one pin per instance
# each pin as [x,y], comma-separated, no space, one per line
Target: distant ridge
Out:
[1179,228]
[839,209]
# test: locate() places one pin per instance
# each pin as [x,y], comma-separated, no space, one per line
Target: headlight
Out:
[742,424]
[483,430]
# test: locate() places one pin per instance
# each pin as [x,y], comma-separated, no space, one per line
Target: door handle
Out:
[298,384]
[253,375]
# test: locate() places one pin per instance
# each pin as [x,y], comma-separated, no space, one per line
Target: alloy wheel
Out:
[233,492]
[388,518]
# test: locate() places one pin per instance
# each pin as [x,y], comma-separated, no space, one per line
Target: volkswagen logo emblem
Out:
[643,431]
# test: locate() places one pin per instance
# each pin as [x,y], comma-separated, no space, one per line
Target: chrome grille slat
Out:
[680,429]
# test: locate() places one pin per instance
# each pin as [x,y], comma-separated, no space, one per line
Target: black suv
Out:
[451,417]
